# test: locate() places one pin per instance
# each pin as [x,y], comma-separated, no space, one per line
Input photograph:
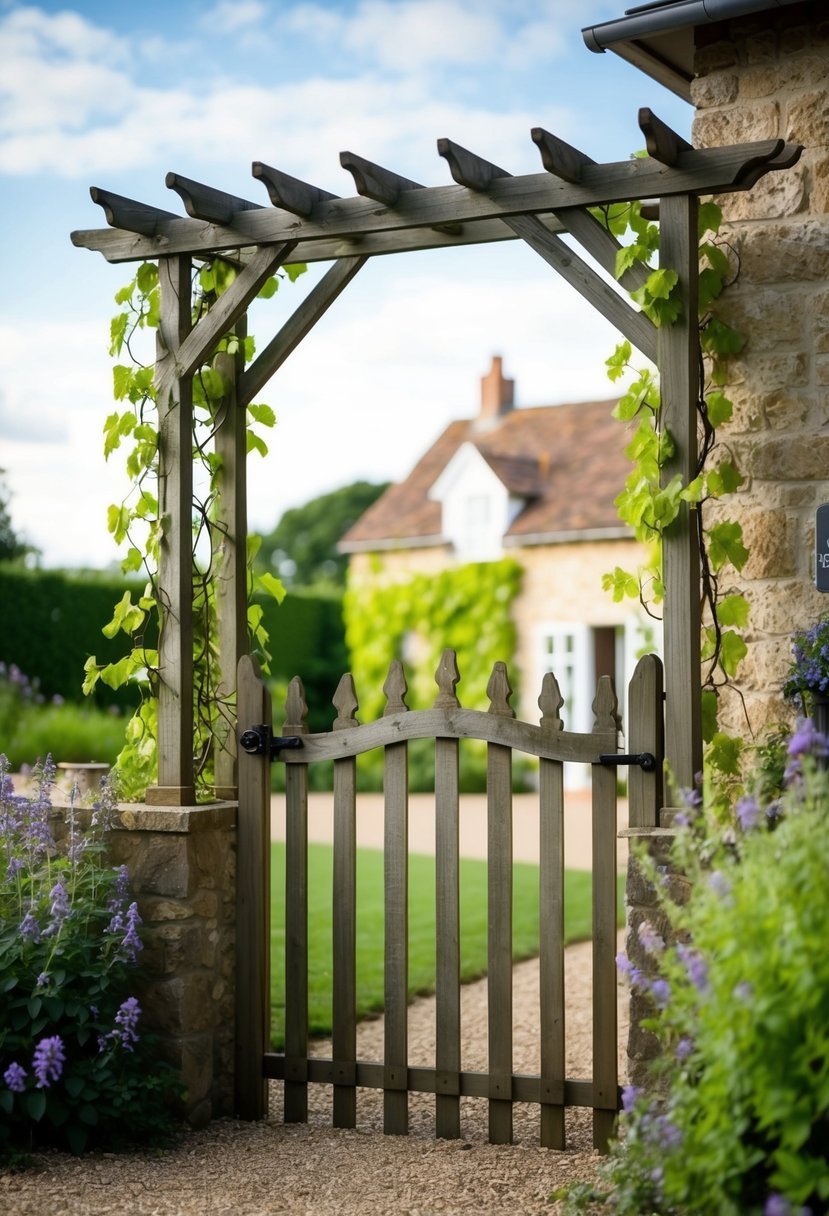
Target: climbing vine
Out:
[646,504]
[136,525]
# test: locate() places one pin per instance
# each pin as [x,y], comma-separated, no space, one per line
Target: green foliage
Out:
[370,889]
[466,608]
[651,502]
[11,546]
[74,1069]
[742,1012]
[68,732]
[136,523]
[50,623]
[303,545]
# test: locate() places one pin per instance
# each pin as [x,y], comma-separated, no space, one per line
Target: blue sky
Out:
[116,95]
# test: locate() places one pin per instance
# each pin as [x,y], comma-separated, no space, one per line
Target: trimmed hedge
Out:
[51,621]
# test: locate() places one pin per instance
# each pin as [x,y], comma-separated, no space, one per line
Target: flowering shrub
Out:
[809,671]
[740,1121]
[74,1069]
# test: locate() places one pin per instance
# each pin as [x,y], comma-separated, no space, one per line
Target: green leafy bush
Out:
[741,1006]
[74,1069]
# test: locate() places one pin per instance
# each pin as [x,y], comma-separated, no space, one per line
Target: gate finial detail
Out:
[550,702]
[296,709]
[605,706]
[446,677]
[345,702]
[499,691]
[395,689]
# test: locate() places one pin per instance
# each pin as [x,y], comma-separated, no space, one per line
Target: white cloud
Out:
[232,16]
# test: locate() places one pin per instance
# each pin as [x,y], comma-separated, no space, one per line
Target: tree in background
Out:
[302,549]
[11,546]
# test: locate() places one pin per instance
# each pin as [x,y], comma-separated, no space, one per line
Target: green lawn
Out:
[421,926]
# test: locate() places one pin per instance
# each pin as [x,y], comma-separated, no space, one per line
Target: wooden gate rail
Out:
[447,723]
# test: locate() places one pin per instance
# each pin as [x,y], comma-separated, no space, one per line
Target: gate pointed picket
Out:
[296,915]
[396,914]
[344,972]
[605,1019]
[551,920]
[447,912]
[499,914]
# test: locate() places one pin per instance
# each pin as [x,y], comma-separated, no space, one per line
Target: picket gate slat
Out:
[296,920]
[344,920]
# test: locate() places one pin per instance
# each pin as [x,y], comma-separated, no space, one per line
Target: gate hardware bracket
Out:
[261,741]
[645,760]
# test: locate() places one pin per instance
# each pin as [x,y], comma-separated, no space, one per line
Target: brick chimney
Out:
[496,393]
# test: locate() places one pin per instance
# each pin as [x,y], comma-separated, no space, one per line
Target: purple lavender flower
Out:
[29,928]
[118,893]
[661,993]
[15,1078]
[807,740]
[720,884]
[749,813]
[629,1095]
[695,965]
[684,1048]
[131,943]
[777,1205]
[666,1133]
[651,941]
[48,1061]
[42,979]
[127,1018]
[58,910]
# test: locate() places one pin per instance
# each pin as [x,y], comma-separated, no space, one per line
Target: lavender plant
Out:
[809,671]
[739,1125]
[75,1069]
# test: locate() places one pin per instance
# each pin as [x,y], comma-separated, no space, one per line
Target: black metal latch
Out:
[645,760]
[261,741]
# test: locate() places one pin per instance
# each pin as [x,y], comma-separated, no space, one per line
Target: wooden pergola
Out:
[392,214]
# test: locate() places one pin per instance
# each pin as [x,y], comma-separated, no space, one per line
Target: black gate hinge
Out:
[644,760]
[261,741]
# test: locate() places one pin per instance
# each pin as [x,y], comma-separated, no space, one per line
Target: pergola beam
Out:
[707,171]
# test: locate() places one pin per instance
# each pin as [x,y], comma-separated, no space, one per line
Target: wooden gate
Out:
[448,724]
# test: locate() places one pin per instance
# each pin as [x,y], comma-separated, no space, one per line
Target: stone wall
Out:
[761,78]
[182,875]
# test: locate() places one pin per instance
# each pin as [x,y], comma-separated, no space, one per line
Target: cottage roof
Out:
[566,461]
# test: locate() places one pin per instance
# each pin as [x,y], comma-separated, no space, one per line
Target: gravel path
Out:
[263,1168]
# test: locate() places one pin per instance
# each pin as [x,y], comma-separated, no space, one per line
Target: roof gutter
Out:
[638,36]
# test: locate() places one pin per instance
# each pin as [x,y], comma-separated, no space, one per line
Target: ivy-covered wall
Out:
[415,618]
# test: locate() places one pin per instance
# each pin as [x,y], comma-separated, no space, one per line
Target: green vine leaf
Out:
[255,443]
[271,585]
[725,544]
[621,584]
[127,617]
[709,218]
[263,414]
[618,362]
[733,610]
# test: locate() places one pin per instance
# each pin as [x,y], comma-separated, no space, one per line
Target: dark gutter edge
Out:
[659,20]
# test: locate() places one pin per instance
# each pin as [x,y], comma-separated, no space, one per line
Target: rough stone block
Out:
[715,89]
[807,120]
[720,54]
[761,47]
[765,666]
[820,185]
[774,196]
[737,125]
[164,867]
[771,539]
[796,252]
[795,458]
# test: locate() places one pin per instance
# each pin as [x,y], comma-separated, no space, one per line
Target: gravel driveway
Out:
[253,1169]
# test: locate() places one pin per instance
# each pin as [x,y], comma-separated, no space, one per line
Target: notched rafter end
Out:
[204,203]
[289,193]
[128,214]
[662,143]
[560,158]
[373,181]
[467,168]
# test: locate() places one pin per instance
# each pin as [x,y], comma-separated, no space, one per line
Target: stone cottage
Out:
[536,484]
[756,70]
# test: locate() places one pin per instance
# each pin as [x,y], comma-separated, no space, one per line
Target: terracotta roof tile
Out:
[567,460]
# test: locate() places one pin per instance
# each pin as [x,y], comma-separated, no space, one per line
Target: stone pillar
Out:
[758,78]
[182,875]
[642,904]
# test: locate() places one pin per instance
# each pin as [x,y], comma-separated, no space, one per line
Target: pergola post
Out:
[679,386]
[230,559]
[174,388]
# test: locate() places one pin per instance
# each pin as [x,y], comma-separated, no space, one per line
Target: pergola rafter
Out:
[393,214]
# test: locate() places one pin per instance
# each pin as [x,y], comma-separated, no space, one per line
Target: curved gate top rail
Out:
[448,724]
